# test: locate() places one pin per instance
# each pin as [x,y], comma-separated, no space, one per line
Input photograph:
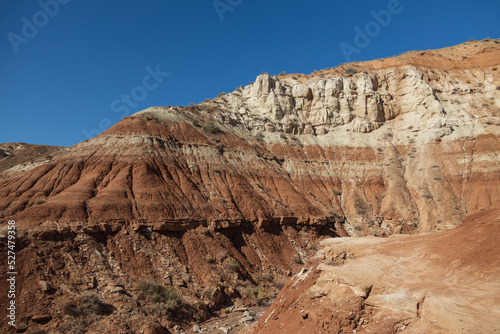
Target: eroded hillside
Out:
[434,283]
[236,192]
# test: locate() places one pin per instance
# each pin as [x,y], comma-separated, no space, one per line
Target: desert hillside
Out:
[20,157]
[174,213]
[435,283]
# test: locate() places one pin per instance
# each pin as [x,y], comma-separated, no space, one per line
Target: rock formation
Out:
[437,283]
[238,190]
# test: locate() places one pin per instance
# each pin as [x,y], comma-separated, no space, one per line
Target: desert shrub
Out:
[336,192]
[166,298]
[361,206]
[232,265]
[334,263]
[166,308]
[75,327]
[196,123]
[90,303]
[259,136]
[70,308]
[350,71]
[211,127]
[258,295]
[86,304]
[221,94]
[428,196]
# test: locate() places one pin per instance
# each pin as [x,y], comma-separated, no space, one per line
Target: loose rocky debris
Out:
[231,320]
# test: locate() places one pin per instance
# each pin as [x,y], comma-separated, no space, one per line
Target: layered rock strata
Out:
[238,191]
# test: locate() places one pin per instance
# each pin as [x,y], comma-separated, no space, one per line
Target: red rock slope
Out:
[446,282]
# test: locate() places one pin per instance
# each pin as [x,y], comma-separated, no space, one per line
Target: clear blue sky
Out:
[71,73]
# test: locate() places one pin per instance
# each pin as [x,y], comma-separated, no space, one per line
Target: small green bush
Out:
[70,308]
[211,127]
[350,71]
[258,295]
[86,304]
[90,303]
[166,298]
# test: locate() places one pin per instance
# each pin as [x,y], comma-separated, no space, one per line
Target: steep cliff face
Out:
[396,149]
[403,145]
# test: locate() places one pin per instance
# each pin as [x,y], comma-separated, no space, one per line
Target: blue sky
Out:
[67,66]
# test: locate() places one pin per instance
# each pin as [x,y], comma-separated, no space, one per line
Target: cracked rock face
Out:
[362,103]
